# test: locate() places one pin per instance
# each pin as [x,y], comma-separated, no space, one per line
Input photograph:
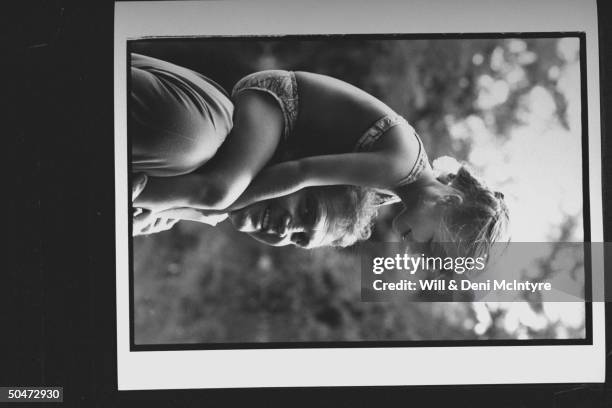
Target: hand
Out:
[138,184]
[147,222]
[209,217]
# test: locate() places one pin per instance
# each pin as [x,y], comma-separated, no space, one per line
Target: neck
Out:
[426,179]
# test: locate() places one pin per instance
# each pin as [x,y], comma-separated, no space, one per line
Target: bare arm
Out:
[192,214]
[375,169]
[393,159]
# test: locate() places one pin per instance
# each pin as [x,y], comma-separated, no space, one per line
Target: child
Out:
[321,131]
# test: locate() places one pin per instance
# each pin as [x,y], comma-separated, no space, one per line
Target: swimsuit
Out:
[282,86]
[177,117]
[379,128]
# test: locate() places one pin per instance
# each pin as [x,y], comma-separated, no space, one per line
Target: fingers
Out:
[161,224]
[141,221]
[139,182]
[150,224]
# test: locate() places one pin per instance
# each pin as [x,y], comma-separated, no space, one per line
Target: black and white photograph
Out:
[320,203]
[262,167]
[258,170]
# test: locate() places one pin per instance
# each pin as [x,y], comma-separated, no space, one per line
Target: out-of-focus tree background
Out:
[510,107]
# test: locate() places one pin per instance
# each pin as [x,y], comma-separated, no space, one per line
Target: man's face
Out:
[301,219]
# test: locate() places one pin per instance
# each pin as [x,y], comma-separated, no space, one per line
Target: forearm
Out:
[191,214]
[276,181]
[205,192]
[191,190]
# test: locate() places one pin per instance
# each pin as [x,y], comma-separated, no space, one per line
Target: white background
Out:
[353,366]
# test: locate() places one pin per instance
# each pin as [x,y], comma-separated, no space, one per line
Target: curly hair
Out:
[356,208]
[471,225]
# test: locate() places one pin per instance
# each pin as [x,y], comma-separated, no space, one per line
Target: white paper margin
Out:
[353,366]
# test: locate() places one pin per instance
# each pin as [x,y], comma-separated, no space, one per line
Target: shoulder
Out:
[396,136]
[403,148]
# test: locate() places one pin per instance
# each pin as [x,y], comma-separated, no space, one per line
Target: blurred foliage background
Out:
[510,107]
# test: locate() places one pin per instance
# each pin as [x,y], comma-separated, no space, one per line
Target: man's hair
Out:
[470,226]
[356,208]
